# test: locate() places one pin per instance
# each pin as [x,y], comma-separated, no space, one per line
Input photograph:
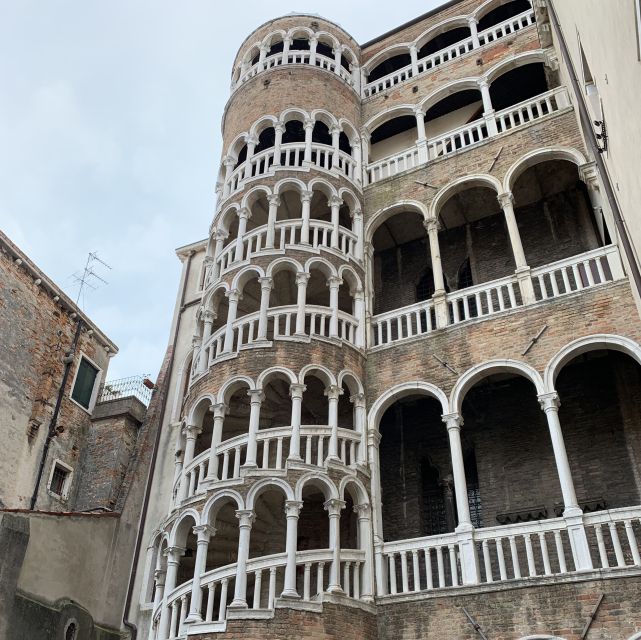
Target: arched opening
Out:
[275,47]
[317,286]
[299,43]
[390,65]
[294,132]
[518,85]
[268,529]
[315,408]
[393,136]
[444,40]
[290,207]
[266,139]
[313,534]
[203,441]
[275,412]
[220,307]
[223,545]
[556,220]
[250,291]
[503,12]
[325,48]
[349,521]
[284,288]
[187,540]
[236,422]
[321,134]
[452,112]
[401,257]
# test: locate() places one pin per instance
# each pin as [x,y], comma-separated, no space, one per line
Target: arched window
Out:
[425,286]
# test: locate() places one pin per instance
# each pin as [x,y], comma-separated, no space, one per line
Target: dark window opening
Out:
[242,156]
[464,277]
[277,47]
[58,480]
[84,384]
[425,286]
[444,40]
[345,63]
[266,140]
[70,632]
[321,134]
[433,501]
[504,12]
[300,44]
[473,492]
[294,132]
[393,127]
[389,66]
[518,85]
[255,59]
[453,103]
[343,143]
[325,50]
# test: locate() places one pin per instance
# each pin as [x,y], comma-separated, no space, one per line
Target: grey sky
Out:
[109,139]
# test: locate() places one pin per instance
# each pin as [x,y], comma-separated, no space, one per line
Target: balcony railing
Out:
[289,233]
[294,57]
[507,27]
[292,156]
[512,552]
[513,117]
[265,578]
[139,387]
[584,271]
[272,452]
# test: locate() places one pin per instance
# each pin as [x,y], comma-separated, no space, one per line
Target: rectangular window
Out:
[60,479]
[84,383]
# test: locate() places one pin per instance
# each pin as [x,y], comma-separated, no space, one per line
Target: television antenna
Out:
[88,278]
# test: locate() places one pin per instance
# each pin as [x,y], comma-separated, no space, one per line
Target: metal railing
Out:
[139,387]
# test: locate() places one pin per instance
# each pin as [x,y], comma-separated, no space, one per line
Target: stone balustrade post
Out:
[296,392]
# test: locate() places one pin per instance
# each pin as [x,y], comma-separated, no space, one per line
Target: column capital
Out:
[230,161]
[204,532]
[432,225]
[309,123]
[359,294]
[306,196]
[302,278]
[245,517]
[336,201]
[333,392]
[505,199]
[256,396]
[266,283]
[414,47]
[358,399]
[589,174]
[174,554]
[159,577]
[251,139]
[365,134]
[279,127]
[334,506]
[219,410]
[549,401]
[334,282]
[452,421]
[363,511]
[296,390]
[484,83]
[418,110]
[357,213]
[209,316]
[292,508]
[193,431]
[373,438]
[274,200]
[472,20]
[335,130]
[219,234]
[233,295]
[196,341]
[244,212]
[265,47]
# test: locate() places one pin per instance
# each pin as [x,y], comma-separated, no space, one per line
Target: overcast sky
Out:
[110,140]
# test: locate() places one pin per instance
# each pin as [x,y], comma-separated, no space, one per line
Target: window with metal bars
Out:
[59,480]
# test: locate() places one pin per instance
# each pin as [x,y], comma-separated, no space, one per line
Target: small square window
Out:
[83,386]
[60,480]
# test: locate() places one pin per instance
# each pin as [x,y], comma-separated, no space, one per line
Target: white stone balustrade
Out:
[513,117]
[615,536]
[583,271]
[422,65]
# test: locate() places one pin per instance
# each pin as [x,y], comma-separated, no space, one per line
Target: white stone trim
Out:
[96,383]
[64,496]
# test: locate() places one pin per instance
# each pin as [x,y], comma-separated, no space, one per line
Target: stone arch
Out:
[263,123]
[283,264]
[232,385]
[349,275]
[350,199]
[441,27]
[261,486]
[322,115]
[244,276]
[265,376]
[293,113]
[318,370]
[215,502]
[322,185]
[199,408]
[386,115]
[458,185]
[387,212]
[512,62]
[399,391]
[386,54]
[540,155]
[289,184]
[350,130]
[583,345]
[175,536]
[268,40]
[328,38]
[455,86]
[361,491]
[320,481]
[253,194]
[480,371]
[326,267]
[296,31]
[351,380]
[236,145]
[208,302]
[227,217]
[486,7]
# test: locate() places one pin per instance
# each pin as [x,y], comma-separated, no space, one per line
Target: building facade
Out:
[406,398]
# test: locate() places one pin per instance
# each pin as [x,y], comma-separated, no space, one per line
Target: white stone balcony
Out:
[428,63]
[265,577]
[507,553]
[577,273]
[514,117]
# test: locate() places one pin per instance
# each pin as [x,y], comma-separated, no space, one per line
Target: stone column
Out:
[266,284]
[602,212]
[373,442]
[229,163]
[363,512]
[573,514]
[336,132]
[335,203]
[287,43]
[279,129]
[338,52]
[506,200]
[309,130]
[219,411]
[251,142]
[264,50]
[421,140]
[296,392]
[334,284]
[313,43]
[333,392]
[334,508]
[488,109]
[208,321]
[356,156]
[179,457]
[359,314]
[439,298]
[474,32]
[357,217]
[465,530]
[221,236]
[365,139]
[245,518]
[203,531]
[292,511]
[256,398]
[358,400]
[301,283]
[414,57]
[274,203]
[191,433]
[173,561]
[305,199]
[234,297]
[243,215]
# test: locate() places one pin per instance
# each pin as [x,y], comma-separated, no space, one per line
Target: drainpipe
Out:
[145,505]
[51,434]
[586,122]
